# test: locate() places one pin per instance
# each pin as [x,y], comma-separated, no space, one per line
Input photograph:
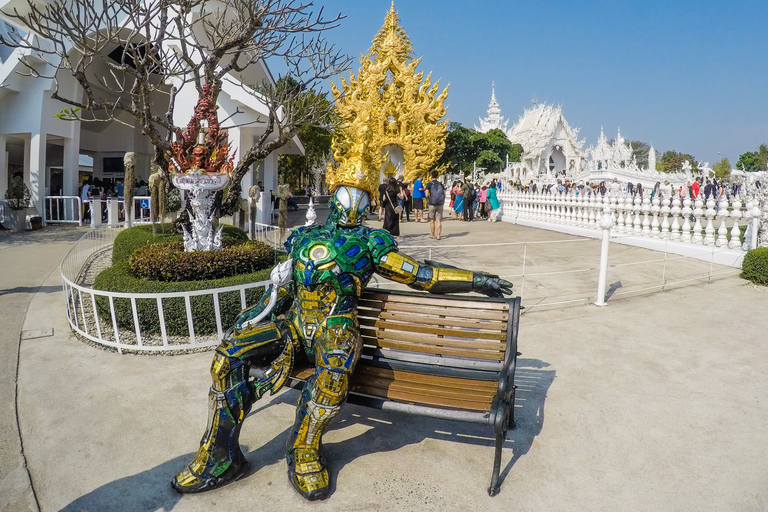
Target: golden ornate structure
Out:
[387,110]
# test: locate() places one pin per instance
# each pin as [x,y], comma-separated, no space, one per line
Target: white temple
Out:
[550,145]
[552,150]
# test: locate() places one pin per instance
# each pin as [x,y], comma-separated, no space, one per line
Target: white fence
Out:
[701,228]
[69,210]
[545,274]
[115,319]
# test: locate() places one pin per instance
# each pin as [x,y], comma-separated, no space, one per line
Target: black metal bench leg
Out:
[495,485]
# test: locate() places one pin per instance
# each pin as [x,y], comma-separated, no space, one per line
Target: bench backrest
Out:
[427,333]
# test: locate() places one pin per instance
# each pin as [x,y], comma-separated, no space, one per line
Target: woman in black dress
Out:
[389,201]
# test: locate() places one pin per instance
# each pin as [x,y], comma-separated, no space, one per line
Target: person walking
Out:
[85,198]
[458,201]
[418,196]
[435,195]
[382,190]
[493,201]
[468,192]
[390,202]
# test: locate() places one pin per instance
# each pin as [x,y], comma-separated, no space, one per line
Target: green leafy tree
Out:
[460,153]
[672,161]
[753,161]
[641,151]
[515,153]
[494,141]
[490,161]
[722,169]
[315,136]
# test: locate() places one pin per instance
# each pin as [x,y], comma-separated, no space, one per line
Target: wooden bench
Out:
[442,356]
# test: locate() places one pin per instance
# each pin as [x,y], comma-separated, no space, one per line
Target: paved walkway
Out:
[655,402]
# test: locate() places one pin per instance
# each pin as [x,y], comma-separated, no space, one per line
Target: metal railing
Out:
[115,319]
[63,209]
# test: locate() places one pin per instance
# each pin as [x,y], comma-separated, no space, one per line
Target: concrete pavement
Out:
[655,402]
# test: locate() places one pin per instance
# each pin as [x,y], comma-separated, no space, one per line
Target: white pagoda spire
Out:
[494,119]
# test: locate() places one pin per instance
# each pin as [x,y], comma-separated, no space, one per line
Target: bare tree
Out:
[134,56]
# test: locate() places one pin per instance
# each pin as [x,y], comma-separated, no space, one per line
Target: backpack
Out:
[436,193]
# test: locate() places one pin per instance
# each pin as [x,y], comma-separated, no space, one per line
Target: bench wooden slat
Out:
[448,383]
[433,319]
[436,392]
[406,326]
[384,331]
[434,300]
[405,396]
[431,349]
[427,309]
[428,339]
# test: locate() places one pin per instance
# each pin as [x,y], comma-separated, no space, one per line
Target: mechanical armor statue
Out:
[311,309]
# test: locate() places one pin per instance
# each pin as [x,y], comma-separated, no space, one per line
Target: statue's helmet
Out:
[348,205]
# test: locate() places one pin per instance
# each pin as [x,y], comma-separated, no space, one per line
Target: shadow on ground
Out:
[388,431]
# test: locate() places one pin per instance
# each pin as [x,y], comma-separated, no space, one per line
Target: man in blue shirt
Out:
[418,199]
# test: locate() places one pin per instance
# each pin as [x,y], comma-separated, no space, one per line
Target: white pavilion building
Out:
[48,151]
[550,146]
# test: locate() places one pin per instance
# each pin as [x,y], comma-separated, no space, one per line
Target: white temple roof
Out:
[539,125]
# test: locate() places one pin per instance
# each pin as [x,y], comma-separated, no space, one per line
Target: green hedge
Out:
[131,239]
[755,265]
[118,279]
[169,262]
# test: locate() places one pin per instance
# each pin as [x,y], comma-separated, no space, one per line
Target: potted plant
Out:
[17,196]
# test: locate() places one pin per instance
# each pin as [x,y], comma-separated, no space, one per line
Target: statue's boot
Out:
[337,349]
[219,459]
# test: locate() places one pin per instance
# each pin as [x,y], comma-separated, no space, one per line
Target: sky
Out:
[688,76]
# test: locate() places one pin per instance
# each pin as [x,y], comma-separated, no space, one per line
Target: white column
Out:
[37,170]
[270,185]
[71,166]
[709,230]
[3,166]
[735,242]
[606,222]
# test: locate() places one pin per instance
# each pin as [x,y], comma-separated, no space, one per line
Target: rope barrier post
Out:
[664,268]
[522,285]
[606,223]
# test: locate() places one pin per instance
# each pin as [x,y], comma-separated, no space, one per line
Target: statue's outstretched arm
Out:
[436,277]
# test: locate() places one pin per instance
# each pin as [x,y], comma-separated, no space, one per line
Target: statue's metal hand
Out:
[279,276]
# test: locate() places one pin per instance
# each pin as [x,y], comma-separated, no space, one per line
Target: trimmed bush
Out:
[755,265]
[118,279]
[169,262]
[131,239]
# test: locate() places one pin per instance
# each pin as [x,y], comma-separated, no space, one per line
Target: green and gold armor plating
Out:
[315,313]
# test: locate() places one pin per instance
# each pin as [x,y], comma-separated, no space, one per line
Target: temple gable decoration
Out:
[390,114]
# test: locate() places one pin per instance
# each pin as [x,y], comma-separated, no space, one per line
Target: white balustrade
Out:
[736,214]
[722,215]
[710,213]
[646,208]
[665,211]
[685,236]
[669,218]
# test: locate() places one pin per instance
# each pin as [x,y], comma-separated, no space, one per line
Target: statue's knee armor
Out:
[219,458]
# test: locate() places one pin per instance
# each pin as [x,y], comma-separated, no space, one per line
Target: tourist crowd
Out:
[707,188]
[468,201]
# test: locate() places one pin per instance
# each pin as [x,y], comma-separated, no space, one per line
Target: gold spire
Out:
[387,104]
